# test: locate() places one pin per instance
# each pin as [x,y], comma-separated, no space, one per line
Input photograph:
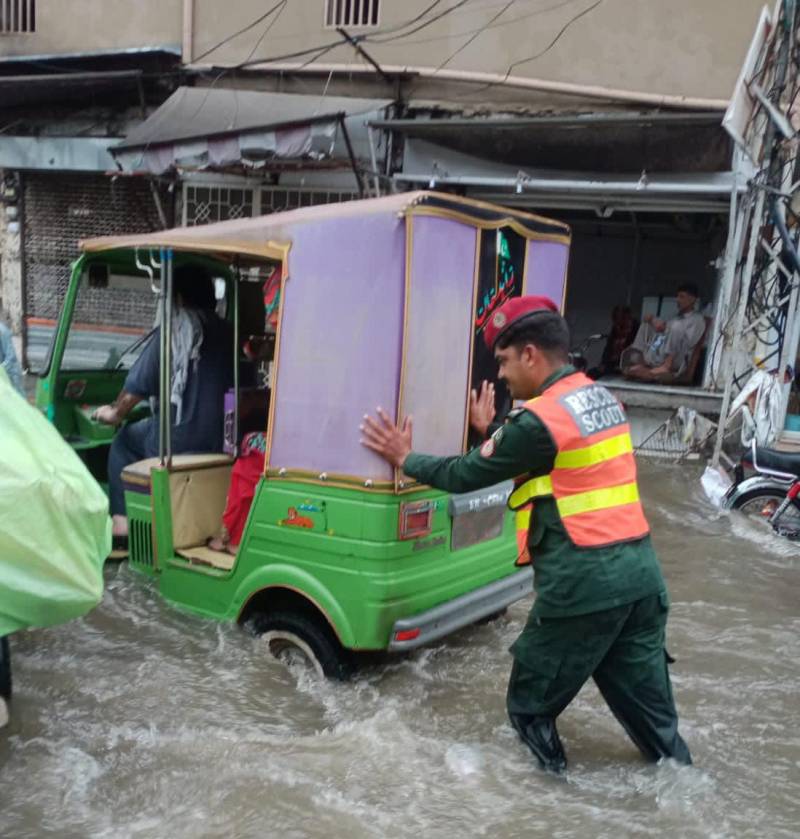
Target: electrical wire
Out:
[266,31]
[424,25]
[552,43]
[476,34]
[241,31]
[449,36]
[555,40]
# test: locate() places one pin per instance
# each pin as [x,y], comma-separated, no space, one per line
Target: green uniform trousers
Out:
[623,650]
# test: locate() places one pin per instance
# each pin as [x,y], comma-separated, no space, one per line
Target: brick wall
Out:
[59,210]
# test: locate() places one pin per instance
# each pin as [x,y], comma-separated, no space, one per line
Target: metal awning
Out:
[590,142]
[41,88]
[198,128]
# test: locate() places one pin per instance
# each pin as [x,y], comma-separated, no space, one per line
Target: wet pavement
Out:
[141,721]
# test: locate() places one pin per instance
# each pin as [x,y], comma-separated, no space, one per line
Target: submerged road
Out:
[140,721]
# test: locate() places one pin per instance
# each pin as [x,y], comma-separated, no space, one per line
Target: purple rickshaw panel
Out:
[341,334]
[547,269]
[438,333]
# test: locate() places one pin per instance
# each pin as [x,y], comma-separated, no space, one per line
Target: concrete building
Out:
[605,114]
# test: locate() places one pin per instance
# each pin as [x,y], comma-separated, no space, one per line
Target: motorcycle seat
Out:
[773,460]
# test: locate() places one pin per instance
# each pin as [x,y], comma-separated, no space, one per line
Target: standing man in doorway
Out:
[601,601]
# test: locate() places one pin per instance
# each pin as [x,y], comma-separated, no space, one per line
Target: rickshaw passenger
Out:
[202,370]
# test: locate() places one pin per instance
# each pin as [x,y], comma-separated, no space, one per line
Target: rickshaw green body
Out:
[351,565]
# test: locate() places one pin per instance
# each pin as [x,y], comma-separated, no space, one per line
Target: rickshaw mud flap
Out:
[448,617]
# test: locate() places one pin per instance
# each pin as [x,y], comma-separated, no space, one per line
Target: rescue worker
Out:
[601,601]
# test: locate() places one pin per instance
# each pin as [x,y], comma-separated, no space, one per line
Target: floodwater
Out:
[141,721]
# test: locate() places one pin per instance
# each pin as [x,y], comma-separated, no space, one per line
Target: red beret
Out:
[512,311]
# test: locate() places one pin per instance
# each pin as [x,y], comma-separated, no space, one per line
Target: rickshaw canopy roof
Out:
[268,238]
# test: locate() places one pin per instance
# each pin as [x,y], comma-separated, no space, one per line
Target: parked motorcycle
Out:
[577,356]
[772,493]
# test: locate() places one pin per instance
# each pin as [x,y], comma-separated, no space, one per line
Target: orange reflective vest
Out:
[594,475]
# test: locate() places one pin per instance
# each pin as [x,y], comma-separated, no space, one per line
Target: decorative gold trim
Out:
[488,205]
[525,268]
[505,221]
[137,480]
[273,397]
[475,281]
[404,346]
[566,276]
[306,476]
[271,250]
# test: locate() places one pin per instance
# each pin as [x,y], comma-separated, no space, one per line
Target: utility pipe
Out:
[572,185]
[656,100]
[188,31]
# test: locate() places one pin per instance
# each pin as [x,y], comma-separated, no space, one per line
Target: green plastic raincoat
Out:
[55,530]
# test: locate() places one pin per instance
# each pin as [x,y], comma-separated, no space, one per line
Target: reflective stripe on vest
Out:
[522,524]
[594,474]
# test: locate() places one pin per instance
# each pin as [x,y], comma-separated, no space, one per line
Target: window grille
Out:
[17,16]
[361,13]
[206,204]
[276,200]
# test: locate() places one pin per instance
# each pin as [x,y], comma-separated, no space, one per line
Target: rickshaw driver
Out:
[202,371]
[601,601]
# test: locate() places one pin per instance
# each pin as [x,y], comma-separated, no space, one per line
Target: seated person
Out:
[623,331]
[202,370]
[247,469]
[661,350]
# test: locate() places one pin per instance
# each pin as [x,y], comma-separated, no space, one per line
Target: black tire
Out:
[759,503]
[290,635]
[5,668]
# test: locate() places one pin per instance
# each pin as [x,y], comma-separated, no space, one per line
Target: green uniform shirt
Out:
[568,580]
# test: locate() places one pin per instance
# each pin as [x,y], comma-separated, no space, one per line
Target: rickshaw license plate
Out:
[478,516]
[477,526]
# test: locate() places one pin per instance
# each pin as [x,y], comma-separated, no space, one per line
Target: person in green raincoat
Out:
[52,546]
[601,601]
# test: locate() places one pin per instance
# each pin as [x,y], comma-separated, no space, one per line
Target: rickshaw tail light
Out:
[406,635]
[416,519]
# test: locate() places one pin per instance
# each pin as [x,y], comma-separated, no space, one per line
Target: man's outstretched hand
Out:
[391,442]
[481,408]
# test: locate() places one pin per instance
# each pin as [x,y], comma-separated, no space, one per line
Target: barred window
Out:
[276,200]
[351,13]
[17,16]
[207,204]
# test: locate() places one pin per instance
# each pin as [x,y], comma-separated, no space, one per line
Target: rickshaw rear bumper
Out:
[428,626]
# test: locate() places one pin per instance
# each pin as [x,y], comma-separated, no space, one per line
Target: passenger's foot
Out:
[217,543]
[119,525]
[3,712]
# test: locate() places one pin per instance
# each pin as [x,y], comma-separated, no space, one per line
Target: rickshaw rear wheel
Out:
[295,639]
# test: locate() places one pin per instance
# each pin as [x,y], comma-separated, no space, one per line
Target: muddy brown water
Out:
[141,721]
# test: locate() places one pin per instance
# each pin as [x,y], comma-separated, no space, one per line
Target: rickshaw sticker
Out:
[308,507]
[294,519]
[487,449]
